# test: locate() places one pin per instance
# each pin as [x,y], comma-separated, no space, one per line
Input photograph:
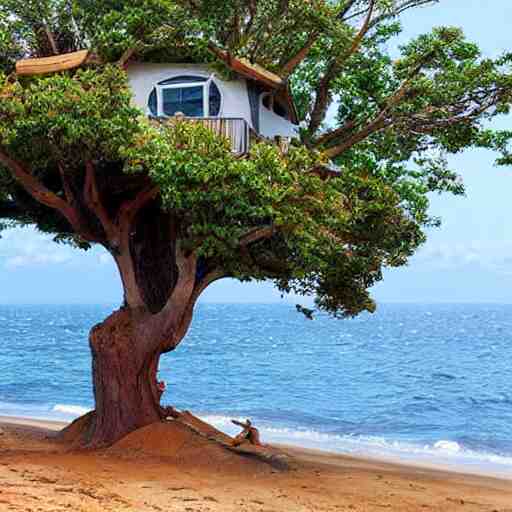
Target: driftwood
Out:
[170,412]
[249,434]
[279,461]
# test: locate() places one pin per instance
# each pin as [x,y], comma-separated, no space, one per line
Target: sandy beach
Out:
[39,474]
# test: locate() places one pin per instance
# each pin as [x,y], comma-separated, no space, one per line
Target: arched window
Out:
[195,96]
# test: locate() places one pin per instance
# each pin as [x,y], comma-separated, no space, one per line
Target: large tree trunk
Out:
[161,286]
[162,278]
[124,380]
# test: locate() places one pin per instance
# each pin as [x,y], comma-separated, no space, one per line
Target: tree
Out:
[178,211]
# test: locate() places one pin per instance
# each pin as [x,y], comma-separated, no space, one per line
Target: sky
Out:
[469,259]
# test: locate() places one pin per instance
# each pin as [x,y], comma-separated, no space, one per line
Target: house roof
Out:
[45,65]
[253,71]
[248,69]
[241,66]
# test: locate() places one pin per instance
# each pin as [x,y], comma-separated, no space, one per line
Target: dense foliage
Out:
[268,216]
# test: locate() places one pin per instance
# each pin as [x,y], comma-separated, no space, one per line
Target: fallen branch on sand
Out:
[249,434]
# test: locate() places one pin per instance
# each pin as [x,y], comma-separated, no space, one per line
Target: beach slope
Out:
[38,474]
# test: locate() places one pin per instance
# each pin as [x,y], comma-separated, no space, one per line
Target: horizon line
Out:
[271,302]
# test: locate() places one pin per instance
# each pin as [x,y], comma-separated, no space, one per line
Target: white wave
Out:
[444,452]
[448,446]
[70,410]
[43,411]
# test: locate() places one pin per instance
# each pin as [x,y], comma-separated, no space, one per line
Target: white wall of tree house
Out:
[235,98]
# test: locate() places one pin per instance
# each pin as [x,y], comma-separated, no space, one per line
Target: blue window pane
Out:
[214,100]
[188,100]
[172,103]
[152,103]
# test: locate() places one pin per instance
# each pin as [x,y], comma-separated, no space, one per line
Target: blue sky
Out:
[469,259]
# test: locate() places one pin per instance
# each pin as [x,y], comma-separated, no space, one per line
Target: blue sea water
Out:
[422,383]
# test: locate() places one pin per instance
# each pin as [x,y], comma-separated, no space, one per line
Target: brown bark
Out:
[383,119]
[38,191]
[127,346]
[124,379]
[289,67]
[323,92]
[92,198]
[51,40]
[373,127]
[160,283]
[152,251]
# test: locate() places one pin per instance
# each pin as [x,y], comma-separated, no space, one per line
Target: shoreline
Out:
[393,461]
[39,474]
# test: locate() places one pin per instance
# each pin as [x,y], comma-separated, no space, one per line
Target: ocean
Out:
[428,384]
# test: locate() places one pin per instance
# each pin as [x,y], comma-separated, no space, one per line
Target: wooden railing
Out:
[235,129]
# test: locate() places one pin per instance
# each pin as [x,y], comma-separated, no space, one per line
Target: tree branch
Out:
[38,191]
[393,13]
[129,209]
[199,288]
[207,280]
[71,199]
[70,196]
[362,32]
[186,318]
[405,6]
[378,123]
[423,121]
[335,134]
[124,221]
[95,204]
[180,296]
[255,235]
[253,11]
[323,90]
[51,40]
[295,61]
[345,10]
[127,55]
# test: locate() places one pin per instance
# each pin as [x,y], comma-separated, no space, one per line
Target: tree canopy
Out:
[81,162]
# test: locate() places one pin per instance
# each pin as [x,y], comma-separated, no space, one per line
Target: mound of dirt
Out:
[185,445]
[73,433]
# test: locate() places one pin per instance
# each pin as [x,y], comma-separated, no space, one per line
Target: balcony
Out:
[235,129]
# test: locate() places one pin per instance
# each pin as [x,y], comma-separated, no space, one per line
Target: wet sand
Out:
[38,474]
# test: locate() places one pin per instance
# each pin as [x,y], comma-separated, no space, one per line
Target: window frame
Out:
[205,85]
[265,95]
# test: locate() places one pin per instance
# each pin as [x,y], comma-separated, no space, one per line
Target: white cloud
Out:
[495,256]
[25,247]
[37,259]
